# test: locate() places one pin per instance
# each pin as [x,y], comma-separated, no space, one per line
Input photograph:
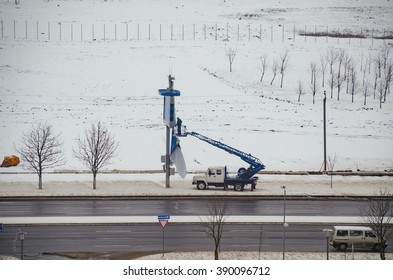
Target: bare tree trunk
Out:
[40,180]
[94,180]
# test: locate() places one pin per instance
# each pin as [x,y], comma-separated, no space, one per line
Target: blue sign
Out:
[163,217]
[1,227]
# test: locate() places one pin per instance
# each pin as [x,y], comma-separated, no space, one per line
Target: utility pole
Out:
[324,132]
[170,122]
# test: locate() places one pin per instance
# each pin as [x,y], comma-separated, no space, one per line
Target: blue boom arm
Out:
[256,164]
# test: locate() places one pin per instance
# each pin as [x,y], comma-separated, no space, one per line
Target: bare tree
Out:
[378,61]
[231,54]
[284,65]
[323,69]
[300,90]
[377,215]
[381,90]
[332,83]
[331,162]
[274,70]
[41,149]
[331,57]
[366,91]
[263,65]
[313,70]
[96,149]
[219,212]
[375,81]
[385,55]
[369,62]
[314,86]
[340,79]
[354,83]
[387,76]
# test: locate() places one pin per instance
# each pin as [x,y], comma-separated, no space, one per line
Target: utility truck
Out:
[218,176]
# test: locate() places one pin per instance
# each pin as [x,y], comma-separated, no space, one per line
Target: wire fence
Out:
[129,31]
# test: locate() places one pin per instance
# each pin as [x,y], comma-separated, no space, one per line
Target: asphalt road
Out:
[148,238]
[115,207]
[103,239]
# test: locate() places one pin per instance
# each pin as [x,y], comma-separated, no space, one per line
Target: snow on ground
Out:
[265,256]
[154,185]
[71,84]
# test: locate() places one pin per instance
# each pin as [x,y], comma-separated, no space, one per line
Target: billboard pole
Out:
[170,122]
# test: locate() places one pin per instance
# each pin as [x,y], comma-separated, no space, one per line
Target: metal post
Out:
[260,243]
[167,158]
[284,223]
[324,132]
[21,234]
[163,241]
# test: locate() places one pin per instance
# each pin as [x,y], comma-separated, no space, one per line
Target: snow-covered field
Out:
[71,83]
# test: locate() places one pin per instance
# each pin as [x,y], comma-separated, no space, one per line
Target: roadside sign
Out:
[1,227]
[163,223]
[164,217]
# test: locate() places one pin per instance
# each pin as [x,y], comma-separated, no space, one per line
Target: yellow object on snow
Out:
[10,161]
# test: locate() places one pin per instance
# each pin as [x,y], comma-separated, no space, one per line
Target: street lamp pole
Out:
[327,233]
[22,238]
[284,223]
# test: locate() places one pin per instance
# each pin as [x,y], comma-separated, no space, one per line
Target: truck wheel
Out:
[342,247]
[238,187]
[201,186]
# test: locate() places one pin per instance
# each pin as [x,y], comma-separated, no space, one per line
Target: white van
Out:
[361,237]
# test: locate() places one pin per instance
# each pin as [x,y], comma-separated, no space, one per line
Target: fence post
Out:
[249,32]
[260,32]
[361,35]
[92,31]
[315,33]
[26,29]
[160,32]
[238,32]
[126,31]
[215,37]
[372,37]
[2,29]
[294,33]
[81,32]
[283,33]
[14,29]
[138,32]
[227,31]
[104,32]
[305,33]
[115,31]
[171,31]
[182,31]
[60,31]
[338,35]
[37,30]
[327,33]
[204,30]
[48,31]
[193,31]
[149,32]
[72,31]
[271,39]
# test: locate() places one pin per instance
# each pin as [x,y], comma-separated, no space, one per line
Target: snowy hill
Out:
[72,63]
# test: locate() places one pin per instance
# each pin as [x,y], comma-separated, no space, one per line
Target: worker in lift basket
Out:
[178,123]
